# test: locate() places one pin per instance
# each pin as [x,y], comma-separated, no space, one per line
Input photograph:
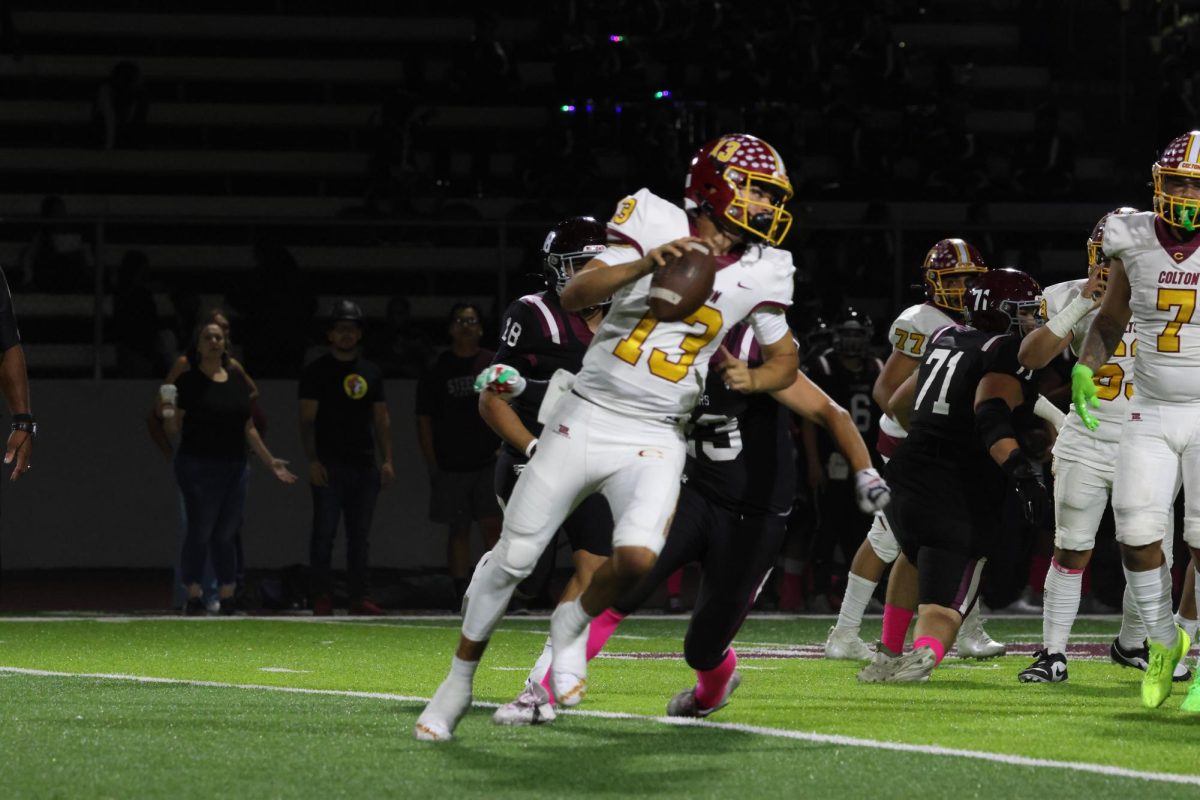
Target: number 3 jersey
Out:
[944,406]
[740,450]
[1164,275]
[1114,382]
[643,367]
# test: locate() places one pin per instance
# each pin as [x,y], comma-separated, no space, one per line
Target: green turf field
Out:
[222,725]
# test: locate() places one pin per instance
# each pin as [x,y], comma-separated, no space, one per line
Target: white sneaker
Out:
[568,665]
[881,667]
[973,641]
[684,703]
[844,645]
[532,707]
[439,719]
[913,667]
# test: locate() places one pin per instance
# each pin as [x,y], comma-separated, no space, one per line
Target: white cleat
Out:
[973,641]
[568,665]
[913,667]
[844,645]
[439,719]
[684,703]
[882,666]
[532,707]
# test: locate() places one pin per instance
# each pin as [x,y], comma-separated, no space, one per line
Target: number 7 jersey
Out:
[643,367]
[1164,275]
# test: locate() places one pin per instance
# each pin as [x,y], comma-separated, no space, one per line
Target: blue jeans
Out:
[214,496]
[351,492]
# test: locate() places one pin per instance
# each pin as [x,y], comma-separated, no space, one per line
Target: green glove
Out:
[1083,394]
[500,378]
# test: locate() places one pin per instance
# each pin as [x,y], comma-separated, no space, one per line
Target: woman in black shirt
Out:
[214,412]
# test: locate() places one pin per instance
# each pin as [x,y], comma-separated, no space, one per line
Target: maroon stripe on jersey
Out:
[1179,251]
[582,332]
[621,238]
[536,303]
[770,304]
[886,445]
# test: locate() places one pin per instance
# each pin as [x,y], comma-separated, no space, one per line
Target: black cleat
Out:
[1046,668]
[1138,657]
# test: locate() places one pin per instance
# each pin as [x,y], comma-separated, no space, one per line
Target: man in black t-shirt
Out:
[14,383]
[344,422]
[458,447]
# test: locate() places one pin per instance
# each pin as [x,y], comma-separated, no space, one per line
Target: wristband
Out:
[1065,321]
[531,448]
[1048,411]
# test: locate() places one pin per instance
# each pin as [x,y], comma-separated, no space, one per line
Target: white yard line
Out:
[781,733]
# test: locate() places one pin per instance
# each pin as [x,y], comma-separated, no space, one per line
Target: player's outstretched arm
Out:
[501,418]
[1043,345]
[808,400]
[780,365]
[597,281]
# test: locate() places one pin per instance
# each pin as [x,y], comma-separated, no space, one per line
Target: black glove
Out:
[1026,479]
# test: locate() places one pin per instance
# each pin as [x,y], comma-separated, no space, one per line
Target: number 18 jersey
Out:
[643,367]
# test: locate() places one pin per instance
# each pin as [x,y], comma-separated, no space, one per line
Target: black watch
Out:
[25,422]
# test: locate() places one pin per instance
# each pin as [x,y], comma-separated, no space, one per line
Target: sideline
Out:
[820,738]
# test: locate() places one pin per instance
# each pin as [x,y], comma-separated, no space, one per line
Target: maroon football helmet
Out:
[721,176]
[1180,163]
[948,267]
[569,245]
[1095,242]
[1005,301]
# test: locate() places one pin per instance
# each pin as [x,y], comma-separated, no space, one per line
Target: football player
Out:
[846,372]
[945,273]
[539,337]
[738,488]
[1152,279]
[619,431]
[950,474]
[1084,461]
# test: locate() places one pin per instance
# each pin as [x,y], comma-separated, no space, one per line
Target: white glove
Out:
[500,378]
[872,491]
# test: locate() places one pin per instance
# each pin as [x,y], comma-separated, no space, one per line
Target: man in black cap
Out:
[343,422]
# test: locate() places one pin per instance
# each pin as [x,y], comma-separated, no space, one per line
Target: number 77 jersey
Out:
[955,361]
[1164,275]
[644,367]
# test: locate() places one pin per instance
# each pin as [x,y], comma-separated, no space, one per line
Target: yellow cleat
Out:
[1156,683]
[1192,701]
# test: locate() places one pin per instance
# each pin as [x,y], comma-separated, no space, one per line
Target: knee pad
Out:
[516,555]
[883,541]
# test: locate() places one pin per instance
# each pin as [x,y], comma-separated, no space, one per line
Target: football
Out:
[683,284]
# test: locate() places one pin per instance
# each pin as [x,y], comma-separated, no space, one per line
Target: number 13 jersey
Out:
[643,367]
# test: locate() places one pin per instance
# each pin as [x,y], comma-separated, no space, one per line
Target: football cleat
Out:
[914,666]
[1046,668]
[844,645]
[532,707]
[684,703]
[881,666]
[1137,658]
[1160,669]
[568,667]
[1192,701]
[439,719]
[973,641]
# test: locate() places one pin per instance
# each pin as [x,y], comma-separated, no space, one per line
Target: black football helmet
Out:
[346,311]
[569,245]
[818,338]
[1005,301]
[852,334]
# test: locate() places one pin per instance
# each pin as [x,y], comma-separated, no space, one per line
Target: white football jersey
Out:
[1163,278]
[908,335]
[644,367]
[1114,379]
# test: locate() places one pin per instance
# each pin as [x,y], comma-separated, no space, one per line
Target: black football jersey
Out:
[740,449]
[955,360]
[849,389]
[538,338]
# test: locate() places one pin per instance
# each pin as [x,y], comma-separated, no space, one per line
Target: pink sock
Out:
[933,644]
[895,627]
[601,628]
[549,689]
[710,684]
[675,583]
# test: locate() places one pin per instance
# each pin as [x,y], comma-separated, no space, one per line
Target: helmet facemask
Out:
[1016,317]
[951,298]
[768,221]
[564,266]
[1175,208]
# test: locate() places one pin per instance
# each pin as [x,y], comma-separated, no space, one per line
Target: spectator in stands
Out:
[403,350]
[275,301]
[135,328]
[58,259]
[119,109]
[343,422]
[213,413]
[459,449]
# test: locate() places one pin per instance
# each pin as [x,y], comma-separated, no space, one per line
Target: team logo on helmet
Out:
[949,266]
[729,178]
[1005,301]
[1095,242]
[1178,167]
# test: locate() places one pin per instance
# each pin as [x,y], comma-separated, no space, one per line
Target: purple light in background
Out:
[618,109]
[615,39]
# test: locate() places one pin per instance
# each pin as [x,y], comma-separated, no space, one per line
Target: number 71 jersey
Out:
[955,362]
[644,367]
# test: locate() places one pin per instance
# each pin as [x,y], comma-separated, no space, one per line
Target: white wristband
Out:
[1049,412]
[529,448]
[1064,321]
